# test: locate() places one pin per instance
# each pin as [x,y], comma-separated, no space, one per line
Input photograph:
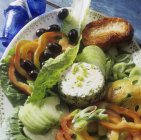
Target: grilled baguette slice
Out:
[107,31]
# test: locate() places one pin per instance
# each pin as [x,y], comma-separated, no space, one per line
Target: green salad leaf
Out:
[120,65]
[93,55]
[136,71]
[13,130]
[50,73]
[10,53]
[122,70]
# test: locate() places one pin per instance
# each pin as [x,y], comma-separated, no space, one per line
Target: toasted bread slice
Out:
[107,31]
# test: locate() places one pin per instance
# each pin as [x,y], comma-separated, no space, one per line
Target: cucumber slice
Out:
[93,55]
[40,116]
[50,106]
[48,136]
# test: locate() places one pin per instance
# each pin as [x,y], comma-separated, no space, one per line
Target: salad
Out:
[74,82]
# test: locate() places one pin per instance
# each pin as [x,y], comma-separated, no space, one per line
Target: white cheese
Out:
[83,82]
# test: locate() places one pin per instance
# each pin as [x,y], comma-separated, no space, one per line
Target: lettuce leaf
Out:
[122,70]
[50,73]
[15,97]
[10,53]
[136,71]
[121,67]
[12,131]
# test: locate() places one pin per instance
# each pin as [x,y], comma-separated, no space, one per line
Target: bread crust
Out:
[107,31]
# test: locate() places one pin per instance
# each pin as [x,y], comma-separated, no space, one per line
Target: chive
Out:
[79,84]
[75,69]
[80,78]
[84,70]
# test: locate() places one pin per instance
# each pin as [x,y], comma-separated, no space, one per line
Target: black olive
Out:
[41,31]
[33,74]
[55,47]
[46,55]
[28,65]
[63,13]
[53,28]
[73,136]
[73,36]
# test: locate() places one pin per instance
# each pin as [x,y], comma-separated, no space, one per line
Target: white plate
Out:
[28,32]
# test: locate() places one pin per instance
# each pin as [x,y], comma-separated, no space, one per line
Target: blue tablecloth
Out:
[128,9]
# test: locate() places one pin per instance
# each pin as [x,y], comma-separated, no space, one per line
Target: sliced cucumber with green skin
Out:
[31,118]
[93,55]
[40,116]
[51,108]
[50,135]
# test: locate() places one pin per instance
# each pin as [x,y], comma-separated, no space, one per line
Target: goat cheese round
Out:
[82,84]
